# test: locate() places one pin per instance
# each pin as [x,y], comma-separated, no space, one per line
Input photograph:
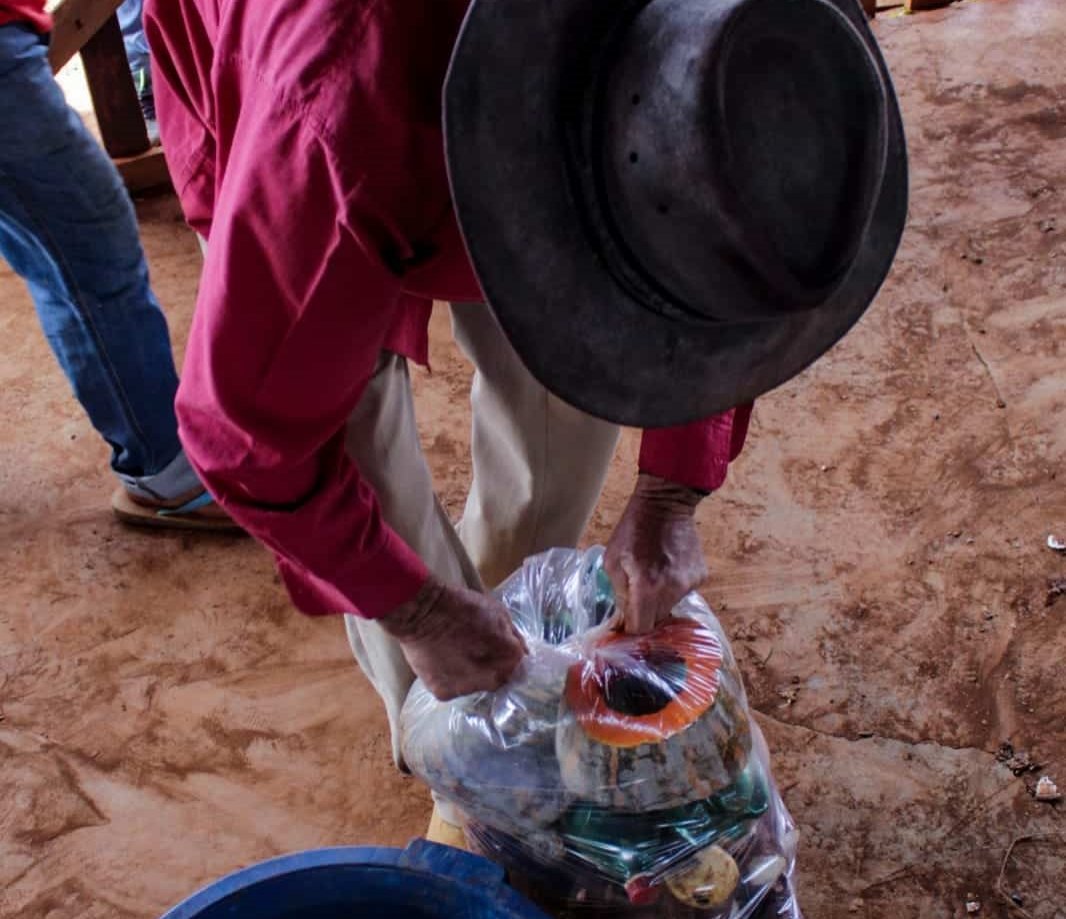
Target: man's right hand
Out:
[457,641]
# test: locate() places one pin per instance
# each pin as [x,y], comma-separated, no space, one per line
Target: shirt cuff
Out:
[695,455]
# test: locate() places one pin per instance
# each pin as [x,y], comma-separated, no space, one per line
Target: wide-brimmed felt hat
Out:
[674,206]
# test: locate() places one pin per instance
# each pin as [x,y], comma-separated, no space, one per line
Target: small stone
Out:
[955,534]
[790,694]
[1047,790]
[855,906]
[973,905]
[1017,899]
[1055,544]
[936,416]
[978,260]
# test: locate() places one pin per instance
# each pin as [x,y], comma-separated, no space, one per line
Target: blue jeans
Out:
[68,228]
[130,16]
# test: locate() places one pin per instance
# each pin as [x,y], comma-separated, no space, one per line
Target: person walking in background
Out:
[131,21]
[68,228]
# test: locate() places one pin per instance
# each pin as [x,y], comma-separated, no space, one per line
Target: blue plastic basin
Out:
[423,881]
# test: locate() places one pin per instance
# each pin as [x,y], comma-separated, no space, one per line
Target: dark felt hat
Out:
[674,206]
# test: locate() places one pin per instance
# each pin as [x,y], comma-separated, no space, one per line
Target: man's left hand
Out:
[654,556]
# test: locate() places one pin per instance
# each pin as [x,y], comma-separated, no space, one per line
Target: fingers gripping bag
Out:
[614,775]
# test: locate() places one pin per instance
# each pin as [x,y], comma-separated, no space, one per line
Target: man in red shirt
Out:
[304,138]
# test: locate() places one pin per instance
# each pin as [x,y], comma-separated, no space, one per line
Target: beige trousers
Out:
[538,468]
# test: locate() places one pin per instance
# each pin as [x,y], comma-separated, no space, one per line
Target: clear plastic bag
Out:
[614,775]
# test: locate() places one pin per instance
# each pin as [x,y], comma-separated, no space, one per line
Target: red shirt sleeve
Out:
[293,310]
[30,11]
[696,455]
[180,36]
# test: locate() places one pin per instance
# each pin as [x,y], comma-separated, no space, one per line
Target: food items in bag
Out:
[496,754]
[707,881]
[614,775]
[654,721]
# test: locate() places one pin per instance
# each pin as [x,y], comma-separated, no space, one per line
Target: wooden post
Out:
[74,23]
[90,26]
[146,172]
[114,97]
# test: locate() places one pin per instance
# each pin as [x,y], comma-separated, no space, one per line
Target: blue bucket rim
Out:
[465,869]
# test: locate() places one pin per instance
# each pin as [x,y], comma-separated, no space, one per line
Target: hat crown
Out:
[741,149]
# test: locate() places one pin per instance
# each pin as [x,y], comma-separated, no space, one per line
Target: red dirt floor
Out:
[879,557]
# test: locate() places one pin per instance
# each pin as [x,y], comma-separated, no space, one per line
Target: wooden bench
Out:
[91,27]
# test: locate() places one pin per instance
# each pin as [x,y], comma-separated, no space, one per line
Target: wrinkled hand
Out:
[654,556]
[458,641]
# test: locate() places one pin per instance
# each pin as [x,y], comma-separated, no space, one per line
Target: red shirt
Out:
[304,139]
[28,11]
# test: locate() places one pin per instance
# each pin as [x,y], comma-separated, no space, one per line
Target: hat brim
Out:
[579,333]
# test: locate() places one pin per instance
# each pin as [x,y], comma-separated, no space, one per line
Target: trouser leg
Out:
[383,441]
[539,463]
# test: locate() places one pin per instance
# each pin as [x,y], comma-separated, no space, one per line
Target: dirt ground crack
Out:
[1000,401]
[873,735]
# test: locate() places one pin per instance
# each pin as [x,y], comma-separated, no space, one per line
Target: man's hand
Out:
[654,556]
[458,641]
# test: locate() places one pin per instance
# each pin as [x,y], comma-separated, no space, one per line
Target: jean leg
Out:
[131,21]
[67,226]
